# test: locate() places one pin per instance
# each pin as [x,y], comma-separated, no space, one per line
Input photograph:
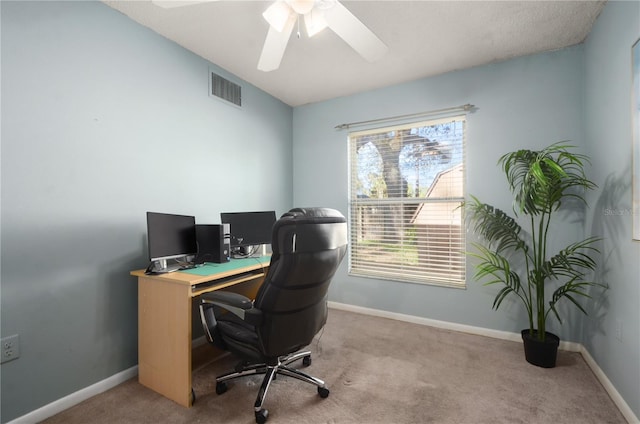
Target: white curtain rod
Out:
[463,108]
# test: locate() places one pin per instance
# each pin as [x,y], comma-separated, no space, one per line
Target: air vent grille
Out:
[226,90]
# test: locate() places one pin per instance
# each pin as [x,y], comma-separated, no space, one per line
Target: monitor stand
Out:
[259,251]
[255,251]
[162,267]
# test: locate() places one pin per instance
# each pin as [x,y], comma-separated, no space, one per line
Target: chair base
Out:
[270,372]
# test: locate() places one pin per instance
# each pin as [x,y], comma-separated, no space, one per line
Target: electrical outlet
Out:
[10,348]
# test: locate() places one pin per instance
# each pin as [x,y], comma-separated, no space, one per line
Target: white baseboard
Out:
[75,398]
[200,341]
[504,335]
[609,387]
[427,321]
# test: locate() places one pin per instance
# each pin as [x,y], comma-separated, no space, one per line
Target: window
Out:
[406,193]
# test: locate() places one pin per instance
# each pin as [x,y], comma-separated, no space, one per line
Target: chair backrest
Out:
[308,246]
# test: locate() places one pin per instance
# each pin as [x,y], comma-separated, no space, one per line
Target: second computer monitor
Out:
[249,228]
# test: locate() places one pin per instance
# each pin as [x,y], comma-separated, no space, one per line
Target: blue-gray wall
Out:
[103,120]
[580,94]
[608,137]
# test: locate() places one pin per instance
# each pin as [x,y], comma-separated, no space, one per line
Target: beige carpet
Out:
[382,371]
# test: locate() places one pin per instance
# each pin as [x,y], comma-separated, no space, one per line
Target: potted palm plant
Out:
[518,259]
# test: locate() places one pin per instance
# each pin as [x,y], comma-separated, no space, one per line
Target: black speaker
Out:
[214,244]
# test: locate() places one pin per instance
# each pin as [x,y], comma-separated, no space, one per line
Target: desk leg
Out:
[164,339]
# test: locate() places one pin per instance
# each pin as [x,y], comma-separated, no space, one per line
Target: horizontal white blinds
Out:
[406,192]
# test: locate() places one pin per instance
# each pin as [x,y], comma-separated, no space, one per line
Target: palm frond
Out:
[541,179]
[496,267]
[499,229]
[572,261]
[568,291]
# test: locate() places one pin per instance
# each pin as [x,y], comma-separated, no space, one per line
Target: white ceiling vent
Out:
[224,89]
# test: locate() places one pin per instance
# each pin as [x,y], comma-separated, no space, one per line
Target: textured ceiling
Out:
[425,38]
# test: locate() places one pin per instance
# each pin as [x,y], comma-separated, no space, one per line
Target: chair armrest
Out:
[239,305]
[223,299]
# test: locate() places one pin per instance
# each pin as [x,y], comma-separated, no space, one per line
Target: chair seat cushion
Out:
[241,338]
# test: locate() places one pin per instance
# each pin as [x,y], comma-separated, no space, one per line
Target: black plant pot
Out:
[540,353]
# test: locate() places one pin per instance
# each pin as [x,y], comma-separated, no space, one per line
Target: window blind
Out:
[406,193]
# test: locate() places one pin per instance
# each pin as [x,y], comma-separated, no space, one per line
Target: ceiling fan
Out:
[283,15]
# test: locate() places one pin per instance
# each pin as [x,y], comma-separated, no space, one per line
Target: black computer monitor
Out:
[170,236]
[249,228]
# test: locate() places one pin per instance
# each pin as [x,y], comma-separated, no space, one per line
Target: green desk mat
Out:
[210,268]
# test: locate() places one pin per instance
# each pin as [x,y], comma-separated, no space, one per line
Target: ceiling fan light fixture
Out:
[282,16]
[277,15]
[301,7]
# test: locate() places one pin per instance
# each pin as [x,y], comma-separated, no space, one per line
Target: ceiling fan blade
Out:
[354,32]
[315,22]
[275,45]
[170,4]
[278,14]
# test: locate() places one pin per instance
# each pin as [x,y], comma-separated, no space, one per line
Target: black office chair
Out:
[290,307]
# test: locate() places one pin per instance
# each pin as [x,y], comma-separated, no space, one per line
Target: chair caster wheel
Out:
[323,392]
[221,388]
[261,416]
[306,361]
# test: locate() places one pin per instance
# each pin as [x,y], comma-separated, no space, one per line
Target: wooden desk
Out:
[165,316]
